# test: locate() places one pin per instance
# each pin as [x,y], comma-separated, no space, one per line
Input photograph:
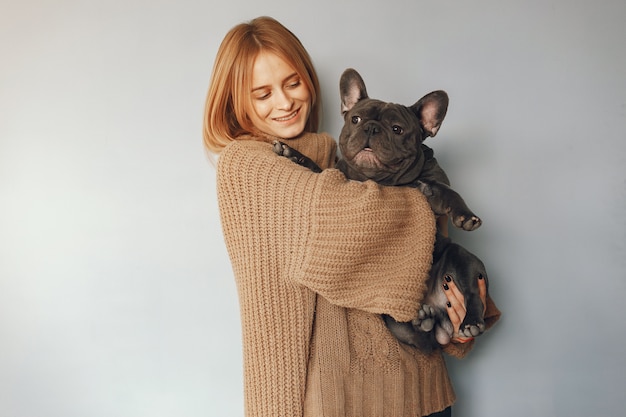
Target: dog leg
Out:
[290,153]
[445,201]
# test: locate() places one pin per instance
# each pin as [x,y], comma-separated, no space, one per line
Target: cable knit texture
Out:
[317,258]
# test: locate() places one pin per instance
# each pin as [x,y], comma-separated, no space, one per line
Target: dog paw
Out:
[472,330]
[466,221]
[425,320]
[281,149]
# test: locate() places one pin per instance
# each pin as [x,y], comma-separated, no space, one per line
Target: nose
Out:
[371,129]
[283,100]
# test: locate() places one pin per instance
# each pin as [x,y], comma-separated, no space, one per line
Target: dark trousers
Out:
[445,413]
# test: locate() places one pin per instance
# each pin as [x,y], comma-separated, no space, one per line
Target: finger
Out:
[482,291]
[460,339]
[453,293]
[455,317]
[455,305]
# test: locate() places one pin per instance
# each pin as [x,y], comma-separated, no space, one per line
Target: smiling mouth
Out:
[288,117]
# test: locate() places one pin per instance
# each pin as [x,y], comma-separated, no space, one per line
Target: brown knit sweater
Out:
[317,258]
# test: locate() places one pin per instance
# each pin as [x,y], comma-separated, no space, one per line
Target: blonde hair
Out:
[229,97]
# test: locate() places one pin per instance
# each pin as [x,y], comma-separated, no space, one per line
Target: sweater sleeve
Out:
[369,247]
[358,244]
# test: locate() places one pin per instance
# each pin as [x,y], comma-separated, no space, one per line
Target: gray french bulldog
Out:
[383,142]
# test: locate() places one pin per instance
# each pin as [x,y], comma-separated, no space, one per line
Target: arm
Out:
[357,244]
[370,246]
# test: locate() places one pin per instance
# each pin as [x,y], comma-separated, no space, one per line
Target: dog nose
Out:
[371,129]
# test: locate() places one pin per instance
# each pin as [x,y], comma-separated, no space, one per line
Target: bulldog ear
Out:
[431,110]
[352,89]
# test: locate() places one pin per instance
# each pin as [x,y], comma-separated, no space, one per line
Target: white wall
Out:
[116,295]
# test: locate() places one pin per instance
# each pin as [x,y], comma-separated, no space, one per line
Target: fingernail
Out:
[445,287]
[448,304]
[448,278]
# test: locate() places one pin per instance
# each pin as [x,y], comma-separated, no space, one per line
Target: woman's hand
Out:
[456,306]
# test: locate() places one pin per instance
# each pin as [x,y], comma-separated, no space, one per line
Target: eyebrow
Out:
[295,74]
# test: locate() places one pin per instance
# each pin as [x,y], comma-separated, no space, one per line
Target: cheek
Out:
[304,95]
[260,109]
[306,98]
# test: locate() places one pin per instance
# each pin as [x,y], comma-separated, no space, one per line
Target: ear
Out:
[352,89]
[431,110]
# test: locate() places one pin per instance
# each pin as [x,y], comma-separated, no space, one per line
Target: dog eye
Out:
[356,119]
[397,129]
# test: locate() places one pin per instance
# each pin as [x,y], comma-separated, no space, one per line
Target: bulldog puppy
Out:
[383,142]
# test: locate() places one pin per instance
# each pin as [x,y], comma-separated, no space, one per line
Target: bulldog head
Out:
[382,141]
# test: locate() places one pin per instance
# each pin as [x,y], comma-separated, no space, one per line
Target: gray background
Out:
[116,294]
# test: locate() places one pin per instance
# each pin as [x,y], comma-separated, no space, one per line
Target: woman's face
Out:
[281,102]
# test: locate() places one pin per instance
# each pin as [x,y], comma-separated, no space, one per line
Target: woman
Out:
[316,258]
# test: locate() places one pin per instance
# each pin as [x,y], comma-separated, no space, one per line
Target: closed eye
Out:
[262,95]
[294,84]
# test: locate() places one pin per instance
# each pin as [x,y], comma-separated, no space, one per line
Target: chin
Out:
[290,132]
